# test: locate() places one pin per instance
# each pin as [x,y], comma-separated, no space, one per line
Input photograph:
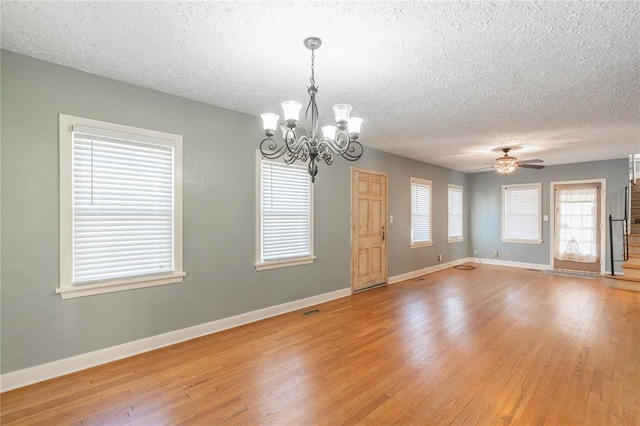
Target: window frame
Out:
[538,239]
[429,242]
[260,264]
[452,187]
[67,289]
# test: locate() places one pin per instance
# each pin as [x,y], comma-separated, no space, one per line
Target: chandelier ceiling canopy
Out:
[314,145]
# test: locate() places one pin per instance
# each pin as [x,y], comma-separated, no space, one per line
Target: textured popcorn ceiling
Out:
[445,83]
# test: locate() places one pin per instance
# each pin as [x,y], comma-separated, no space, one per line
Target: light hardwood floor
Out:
[492,346]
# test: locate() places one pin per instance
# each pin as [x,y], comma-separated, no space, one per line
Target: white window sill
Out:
[274,264]
[121,285]
[509,240]
[422,244]
[456,239]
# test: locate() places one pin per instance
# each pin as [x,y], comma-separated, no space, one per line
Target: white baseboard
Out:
[429,270]
[440,267]
[38,373]
[512,264]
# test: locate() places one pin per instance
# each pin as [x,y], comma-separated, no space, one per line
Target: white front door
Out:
[576,232]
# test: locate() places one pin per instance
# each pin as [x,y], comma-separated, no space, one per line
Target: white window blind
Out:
[123,195]
[455,212]
[420,211]
[521,213]
[285,225]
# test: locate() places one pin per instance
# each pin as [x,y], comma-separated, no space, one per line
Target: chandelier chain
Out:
[312,80]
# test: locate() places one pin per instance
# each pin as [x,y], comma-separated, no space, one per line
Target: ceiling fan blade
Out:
[481,168]
[530,166]
[535,160]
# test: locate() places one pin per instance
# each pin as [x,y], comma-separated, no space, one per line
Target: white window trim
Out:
[284,263]
[460,238]
[67,290]
[538,240]
[430,184]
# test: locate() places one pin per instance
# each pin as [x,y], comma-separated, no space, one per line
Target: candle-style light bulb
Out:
[342,112]
[354,127]
[270,123]
[291,112]
[329,131]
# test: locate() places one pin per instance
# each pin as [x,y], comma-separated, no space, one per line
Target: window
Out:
[521,213]
[420,212]
[455,213]
[285,215]
[120,207]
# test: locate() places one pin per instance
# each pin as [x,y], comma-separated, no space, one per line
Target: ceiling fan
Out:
[507,164]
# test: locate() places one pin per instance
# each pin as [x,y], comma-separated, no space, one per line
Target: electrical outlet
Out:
[391,218]
[475,252]
[506,254]
[495,253]
[439,258]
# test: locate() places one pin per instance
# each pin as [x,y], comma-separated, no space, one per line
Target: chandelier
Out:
[506,164]
[314,146]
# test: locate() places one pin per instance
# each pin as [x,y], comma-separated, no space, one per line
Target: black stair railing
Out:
[625,233]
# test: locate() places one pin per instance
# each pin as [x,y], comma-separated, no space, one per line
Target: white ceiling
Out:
[441,82]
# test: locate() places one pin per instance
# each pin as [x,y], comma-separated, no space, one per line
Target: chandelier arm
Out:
[294,144]
[354,152]
[290,140]
[342,140]
[270,149]
[289,158]
[340,144]
[325,154]
[329,144]
[303,153]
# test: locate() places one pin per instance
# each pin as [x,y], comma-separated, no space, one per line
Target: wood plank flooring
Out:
[491,346]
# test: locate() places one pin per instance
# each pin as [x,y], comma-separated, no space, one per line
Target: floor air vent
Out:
[311,312]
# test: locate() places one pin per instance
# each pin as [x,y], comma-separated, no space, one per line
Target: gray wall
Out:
[219,218]
[486,204]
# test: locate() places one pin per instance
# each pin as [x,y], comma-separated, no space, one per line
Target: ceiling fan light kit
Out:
[341,139]
[507,164]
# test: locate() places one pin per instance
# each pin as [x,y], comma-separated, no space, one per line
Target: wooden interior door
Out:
[595,265]
[368,229]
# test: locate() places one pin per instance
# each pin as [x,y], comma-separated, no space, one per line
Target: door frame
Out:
[352,254]
[603,209]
